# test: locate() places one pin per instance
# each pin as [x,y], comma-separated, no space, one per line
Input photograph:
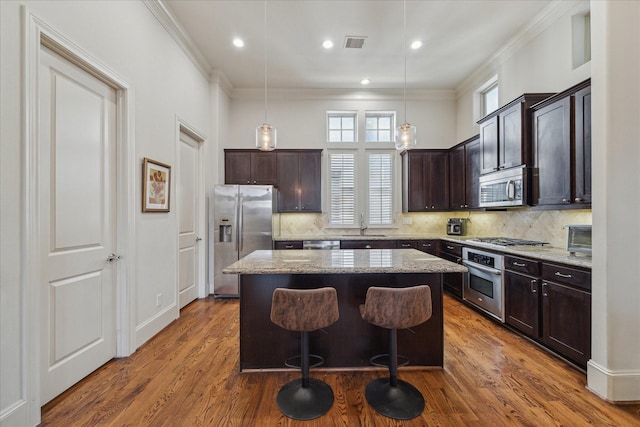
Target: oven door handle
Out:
[482,268]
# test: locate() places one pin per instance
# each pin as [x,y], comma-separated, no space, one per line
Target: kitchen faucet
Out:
[363,225]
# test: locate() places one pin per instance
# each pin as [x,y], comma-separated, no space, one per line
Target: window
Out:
[490,99]
[342,126]
[380,188]
[342,187]
[379,126]
[581,39]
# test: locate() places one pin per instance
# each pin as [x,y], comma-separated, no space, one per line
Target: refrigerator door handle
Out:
[241,224]
[235,210]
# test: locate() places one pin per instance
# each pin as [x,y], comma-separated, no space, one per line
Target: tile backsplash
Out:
[546,226]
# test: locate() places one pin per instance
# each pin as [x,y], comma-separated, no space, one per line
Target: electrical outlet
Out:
[158,300]
[406,221]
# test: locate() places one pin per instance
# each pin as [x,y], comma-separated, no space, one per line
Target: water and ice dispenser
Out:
[224,230]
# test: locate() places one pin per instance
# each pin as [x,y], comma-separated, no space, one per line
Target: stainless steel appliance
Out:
[483,285]
[455,226]
[241,222]
[578,239]
[504,188]
[321,244]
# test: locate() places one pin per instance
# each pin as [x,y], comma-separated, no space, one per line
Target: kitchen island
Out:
[350,342]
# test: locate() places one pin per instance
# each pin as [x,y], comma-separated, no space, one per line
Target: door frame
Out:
[38,34]
[182,126]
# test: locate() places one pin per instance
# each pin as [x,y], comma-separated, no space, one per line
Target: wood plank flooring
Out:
[188,376]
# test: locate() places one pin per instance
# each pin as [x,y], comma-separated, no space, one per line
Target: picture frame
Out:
[156,186]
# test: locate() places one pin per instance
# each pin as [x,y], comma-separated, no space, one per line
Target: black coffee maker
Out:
[455,226]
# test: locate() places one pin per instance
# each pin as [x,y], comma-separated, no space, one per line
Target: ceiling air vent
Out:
[354,42]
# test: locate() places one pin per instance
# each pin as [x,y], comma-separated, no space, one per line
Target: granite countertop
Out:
[543,253]
[344,261]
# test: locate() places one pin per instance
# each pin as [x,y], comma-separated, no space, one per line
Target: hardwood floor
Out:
[188,376]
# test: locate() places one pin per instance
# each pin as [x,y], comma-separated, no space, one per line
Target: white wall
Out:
[542,64]
[125,37]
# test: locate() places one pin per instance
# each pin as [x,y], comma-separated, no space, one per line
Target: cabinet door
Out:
[263,168]
[237,168]
[566,321]
[415,189]
[583,146]
[552,153]
[510,141]
[472,158]
[489,145]
[522,303]
[437,176]
[457,178]
[288,183]
[310,182]
[368,244]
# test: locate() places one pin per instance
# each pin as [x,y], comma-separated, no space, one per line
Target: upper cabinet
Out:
[505,134]
[250,167]
[425,180]
[562,149]
[299,180]
[464,171]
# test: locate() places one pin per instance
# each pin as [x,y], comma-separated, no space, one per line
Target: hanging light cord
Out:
[265,61]
[404,43]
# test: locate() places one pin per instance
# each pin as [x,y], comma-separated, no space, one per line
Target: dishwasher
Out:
[321,244]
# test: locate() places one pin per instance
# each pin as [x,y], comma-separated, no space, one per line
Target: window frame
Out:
[342,114]
[380,114]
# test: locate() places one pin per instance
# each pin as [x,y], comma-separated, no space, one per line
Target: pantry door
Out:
[77,222]
[189,235]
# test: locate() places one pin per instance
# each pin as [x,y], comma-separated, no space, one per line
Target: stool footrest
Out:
[382,360]
[291,361]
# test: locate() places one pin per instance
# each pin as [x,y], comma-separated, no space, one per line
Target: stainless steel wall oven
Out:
[483,285]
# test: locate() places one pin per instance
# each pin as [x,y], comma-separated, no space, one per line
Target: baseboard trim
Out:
[148,329]
[615,386]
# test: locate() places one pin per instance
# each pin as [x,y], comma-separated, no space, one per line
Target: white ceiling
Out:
[458,37]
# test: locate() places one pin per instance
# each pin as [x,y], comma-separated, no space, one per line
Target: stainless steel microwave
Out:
[578,239]
[504,188]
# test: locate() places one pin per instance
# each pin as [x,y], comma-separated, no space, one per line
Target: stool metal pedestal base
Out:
[402,402]
[305,403]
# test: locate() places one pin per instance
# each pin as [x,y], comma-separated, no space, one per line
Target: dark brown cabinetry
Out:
[464,171]
[368,244]
[452,282]
[407,244]
[299,180]
[250,167]
[505,134]
[292,244]
[562,149]
[425,180]
[550,303]
[429,246]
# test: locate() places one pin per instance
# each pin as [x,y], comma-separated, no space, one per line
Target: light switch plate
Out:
[406,221]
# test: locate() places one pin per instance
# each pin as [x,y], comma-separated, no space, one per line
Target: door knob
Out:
[198,239]
[113,257]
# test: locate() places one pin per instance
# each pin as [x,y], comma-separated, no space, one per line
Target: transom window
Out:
[490,99]
[342,126]
[379,126]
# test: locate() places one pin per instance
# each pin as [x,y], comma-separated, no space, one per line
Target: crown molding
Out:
[344,94]
[549,15]
[178,33]
[218,77]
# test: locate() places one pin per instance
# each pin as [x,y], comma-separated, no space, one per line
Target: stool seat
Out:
[304,310]
[393,309]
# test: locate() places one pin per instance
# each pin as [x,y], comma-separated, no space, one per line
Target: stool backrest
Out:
[397,308]
[304,309]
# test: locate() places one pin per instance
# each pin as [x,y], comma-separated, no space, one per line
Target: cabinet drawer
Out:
[429,246]
[522,265]
[407,244]
[566,275]
[294,244]
[451,248]
[368,244]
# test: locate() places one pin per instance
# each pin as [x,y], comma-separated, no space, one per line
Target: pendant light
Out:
[405,136]
[266,134]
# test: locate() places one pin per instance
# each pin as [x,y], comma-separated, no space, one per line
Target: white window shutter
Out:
[342,208]
[381,189]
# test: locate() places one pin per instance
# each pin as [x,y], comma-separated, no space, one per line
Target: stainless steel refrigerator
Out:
[241,223]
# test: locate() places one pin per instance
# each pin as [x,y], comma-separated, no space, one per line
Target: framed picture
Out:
[156,186]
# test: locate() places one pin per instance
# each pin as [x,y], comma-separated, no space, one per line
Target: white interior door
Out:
[77,205]
[190,240]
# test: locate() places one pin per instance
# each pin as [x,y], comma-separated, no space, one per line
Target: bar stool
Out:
[393,309]
[304,310]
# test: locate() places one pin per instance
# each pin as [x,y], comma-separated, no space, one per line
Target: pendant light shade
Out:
[266,135]
[405,136]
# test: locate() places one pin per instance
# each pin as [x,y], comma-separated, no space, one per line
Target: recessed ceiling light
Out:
[416,44]
[238,42]
[327,44]
[365,82]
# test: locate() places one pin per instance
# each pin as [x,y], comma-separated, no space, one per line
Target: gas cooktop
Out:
[503,242]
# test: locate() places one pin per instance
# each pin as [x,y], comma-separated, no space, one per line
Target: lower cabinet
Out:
[289,244]
[550,303]
[368,244]
[452,282]
[429,246]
